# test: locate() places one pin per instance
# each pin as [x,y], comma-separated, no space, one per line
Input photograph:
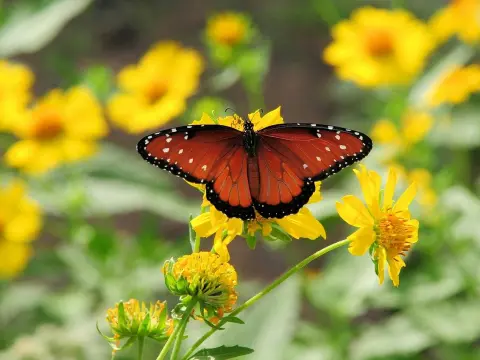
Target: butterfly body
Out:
[270,172]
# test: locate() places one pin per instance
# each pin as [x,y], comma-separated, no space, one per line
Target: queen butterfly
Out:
[271,171]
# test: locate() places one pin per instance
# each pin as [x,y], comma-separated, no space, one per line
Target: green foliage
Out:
[221,353]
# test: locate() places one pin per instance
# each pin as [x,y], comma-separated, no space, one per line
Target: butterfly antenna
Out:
[232,110]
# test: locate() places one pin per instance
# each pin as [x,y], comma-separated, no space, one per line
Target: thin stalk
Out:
[141,342]
[174,335]
[293,270]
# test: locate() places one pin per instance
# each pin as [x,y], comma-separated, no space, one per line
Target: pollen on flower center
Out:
[155,91]
[47,125]
[394,233]
[379,43]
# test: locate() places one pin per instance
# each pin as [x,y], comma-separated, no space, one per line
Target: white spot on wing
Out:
[169,139]
[173,130]
[204,167]
[337,137]
[327,148]
[319,135]
[190,161]
[180,151]
[165,150]
[330,128]
[343,147]
[318,158]
[305,166]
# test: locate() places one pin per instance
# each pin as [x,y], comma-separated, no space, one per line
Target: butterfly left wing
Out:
[205,154]
[292,157]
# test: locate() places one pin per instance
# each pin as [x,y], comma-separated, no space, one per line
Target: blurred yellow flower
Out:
[60,128]
[205,276]
[15,92]
[456,85]
[20,223]
[133,318]
[227,28]
[427,197]
[460,17]
[155,90]
[379,47]
[385,228]
[414,126]
[300,225]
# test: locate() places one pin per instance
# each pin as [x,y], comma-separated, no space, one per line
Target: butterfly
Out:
[271,172]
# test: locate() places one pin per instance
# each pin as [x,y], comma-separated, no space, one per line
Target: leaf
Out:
[233,319]
[28,30]
[462,131]
[221,353]
[100,80]
[399,335]
[450,322]
[278,234]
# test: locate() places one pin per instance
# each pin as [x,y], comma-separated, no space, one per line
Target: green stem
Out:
[141,342]
[183,326]
[269,288]
[197,244]
[178,328]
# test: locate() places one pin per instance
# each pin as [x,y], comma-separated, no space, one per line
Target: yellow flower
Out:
[415,125]
[155,90]
[386,227]
[60,128]
[460,17]
[456,85]
[206,277]
[14,92]
[228,28]
[20,223]
[379,47]
[131,319]
[300,225]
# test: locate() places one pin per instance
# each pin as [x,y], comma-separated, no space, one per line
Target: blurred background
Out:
[84,222]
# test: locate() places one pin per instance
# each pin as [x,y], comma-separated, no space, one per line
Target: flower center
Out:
[394,233]
[379,43]
[229,31]
[47,125]
[155,91]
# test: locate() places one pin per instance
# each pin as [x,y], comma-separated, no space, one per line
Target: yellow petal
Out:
[222,250]
[302,225]
[266,229]
[24,227]
[385,132]
[389,189]
[353,212]
[361,240]
[416,126]
[395,264]
[381,256]
[406,198]
[234,228]
[271,118]
[205,119]
[15,257]
[370,183]
[415,224]
[202,224]
[317,195]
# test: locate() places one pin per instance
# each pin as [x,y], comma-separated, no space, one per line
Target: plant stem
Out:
[141,342]
[269,288]
[182,327]
[178,328]
[197,244]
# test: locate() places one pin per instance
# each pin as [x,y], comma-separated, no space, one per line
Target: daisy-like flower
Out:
[459,18]
[15,92]
[20,223]
[154,91]
[228,28]
[414,126]
[133,319]
[379,47]
[456,85]
[385,227]
[300,225]
[206,277]
[62,127]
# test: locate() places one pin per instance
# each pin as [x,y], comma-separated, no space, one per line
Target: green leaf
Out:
[191,233]
[461,132]
[28,29]
[251,240]
[100,80]
[399,335]
[233,319]
[449,322]
[108,338]
[221,353]
[279,234]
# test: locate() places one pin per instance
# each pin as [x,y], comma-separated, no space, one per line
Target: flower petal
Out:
[354,212]
[415,224]
[395,264]
[406,198]
[202,224]
[317,195]
[389,189]
[302,225]
[271,118]
[361,240]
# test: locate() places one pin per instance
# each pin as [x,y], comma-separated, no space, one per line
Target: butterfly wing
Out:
[292,157]
[205,154]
